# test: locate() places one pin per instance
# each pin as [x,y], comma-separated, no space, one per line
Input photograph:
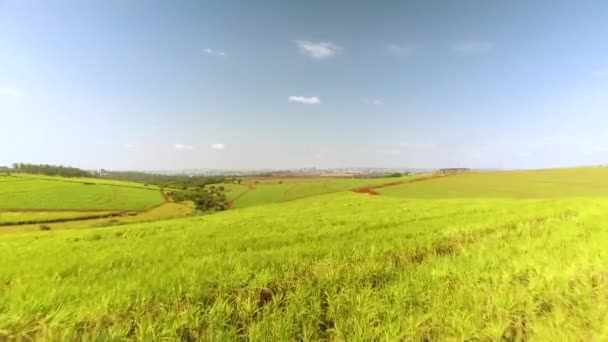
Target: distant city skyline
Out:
[156,85]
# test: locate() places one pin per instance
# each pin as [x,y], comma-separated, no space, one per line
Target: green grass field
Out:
[66,193]
[46,216]
[573,182]
[480,262]
[281,190]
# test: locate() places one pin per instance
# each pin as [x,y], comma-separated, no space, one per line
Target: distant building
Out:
[454,170]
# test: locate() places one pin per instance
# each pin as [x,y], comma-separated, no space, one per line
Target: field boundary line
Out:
[230,203]
[86,183]
[372,188]
[67,219]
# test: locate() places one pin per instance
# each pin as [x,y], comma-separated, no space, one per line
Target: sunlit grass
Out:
[342,266]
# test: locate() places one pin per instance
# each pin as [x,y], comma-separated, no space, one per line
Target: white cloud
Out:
[472,47]
[214,52]
[373,102]
[602,72]
[11,91]
[400,50]
[218,146]
[305,100]
[318,50]
[130,147]
[182,147]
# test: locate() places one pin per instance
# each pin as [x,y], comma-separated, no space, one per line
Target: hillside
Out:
[573,182]
[260,191]
[33,198]
[341,266]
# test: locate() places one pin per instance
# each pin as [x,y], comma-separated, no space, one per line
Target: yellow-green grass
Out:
[35,193]
[47,216]
[574,182]
[81,180]
[342,266]
[164,211]
[287,189]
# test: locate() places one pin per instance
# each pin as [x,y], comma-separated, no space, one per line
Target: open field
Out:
[338,266]
[65,193]
[164,211]
[575,182]
[277,190]
[22,176]
[8,217]
[471,258]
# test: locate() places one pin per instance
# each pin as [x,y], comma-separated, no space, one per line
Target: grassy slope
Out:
[67,193]
[42,216]
[271,191]
[164,211]
[346,266]
[20,176]
[515,184]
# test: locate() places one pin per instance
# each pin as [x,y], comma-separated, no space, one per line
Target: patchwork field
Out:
[575,182]
[265,191]
[339,266]
[63,193]
[474,256]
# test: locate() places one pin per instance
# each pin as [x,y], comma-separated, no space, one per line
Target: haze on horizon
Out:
[223,85]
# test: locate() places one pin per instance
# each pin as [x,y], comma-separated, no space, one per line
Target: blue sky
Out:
[274,84]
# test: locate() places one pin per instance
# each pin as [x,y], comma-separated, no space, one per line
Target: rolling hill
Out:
[341,266]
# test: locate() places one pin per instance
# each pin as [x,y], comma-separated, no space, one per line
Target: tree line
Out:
[179,182]
[49,170]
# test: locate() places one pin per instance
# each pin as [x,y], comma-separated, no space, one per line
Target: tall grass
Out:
[342,266]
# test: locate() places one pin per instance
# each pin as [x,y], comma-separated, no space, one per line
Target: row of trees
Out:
[50,170]
[181,182]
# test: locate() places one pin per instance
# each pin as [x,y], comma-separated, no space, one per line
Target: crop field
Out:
[281,190]
[46,216]
[22,176]
[575,182]
[164,211]
[339,266]
[469,256]
[52,193]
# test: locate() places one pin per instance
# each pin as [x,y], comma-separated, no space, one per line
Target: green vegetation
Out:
[47,216]
[281,190]
[478,256]
[164,211]
[50,170]
[48,193]
[340,266]
[575,182]
[181,182]
[210,198]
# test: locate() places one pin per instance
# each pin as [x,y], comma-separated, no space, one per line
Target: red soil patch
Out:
[368,191]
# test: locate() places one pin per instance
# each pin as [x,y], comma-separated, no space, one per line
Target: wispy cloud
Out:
[600,72]
[183,147]
[218,146]
[399,50]
[472,47]
[130,147]
[373,102]
[11,91]
[318,50]
[305,100]
[214,52]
